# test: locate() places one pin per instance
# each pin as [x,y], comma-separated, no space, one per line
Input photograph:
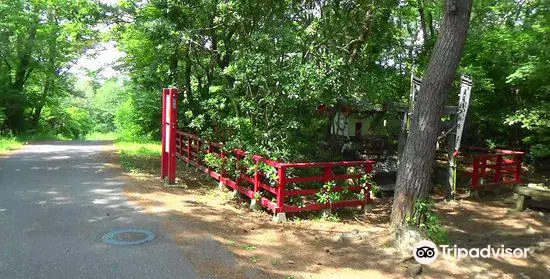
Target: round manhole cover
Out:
[128,237]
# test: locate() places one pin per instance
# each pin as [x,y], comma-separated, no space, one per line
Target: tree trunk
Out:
[416,164]
[38,109]
[16,106]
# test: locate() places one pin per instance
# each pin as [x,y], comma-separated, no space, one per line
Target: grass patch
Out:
[9,143]
[140,157]
[248,247]
[101,136]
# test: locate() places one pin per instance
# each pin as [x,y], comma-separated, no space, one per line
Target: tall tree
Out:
[416,165]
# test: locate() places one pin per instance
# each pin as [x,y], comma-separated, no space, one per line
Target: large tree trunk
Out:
[416,164]
[16,103]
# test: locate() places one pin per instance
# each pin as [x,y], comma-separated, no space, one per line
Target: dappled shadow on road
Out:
[66,177]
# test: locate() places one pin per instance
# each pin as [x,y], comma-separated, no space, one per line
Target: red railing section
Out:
[274,195]
[494,167]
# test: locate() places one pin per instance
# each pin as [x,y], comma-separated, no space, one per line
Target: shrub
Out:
[127,126]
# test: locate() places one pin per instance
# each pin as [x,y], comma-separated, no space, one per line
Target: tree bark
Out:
[416,164]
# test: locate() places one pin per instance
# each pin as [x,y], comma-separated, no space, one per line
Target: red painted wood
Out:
[519,161]
[172,163]
[475,174]
[320,206]
[323,164]
[193,147]
[257,181]
[498,169]
[268,188]
[281,187]
[306,192]
[164,155]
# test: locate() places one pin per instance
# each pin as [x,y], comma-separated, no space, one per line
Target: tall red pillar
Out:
[169,125]
[164,154]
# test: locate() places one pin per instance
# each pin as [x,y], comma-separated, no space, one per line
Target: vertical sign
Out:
[167,113]
[463,103]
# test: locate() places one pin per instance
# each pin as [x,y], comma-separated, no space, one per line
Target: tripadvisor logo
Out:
[426,252]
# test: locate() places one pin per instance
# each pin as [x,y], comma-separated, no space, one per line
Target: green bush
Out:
[68,122]
[425,219]
[127,126]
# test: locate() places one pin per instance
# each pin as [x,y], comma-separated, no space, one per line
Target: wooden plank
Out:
[533,192]
[521,202]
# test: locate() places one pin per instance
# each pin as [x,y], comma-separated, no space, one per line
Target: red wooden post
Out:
[327,176]
[498,169]
[196,143]
[199,151]
[281,188]
[222,171]
[164,155]
[257,180]
[208,151]
[475,175]
[238,157]
[171,135]
[189,143]
[327,173]
[517,173]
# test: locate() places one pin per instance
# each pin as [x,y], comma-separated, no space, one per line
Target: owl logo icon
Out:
[425,252]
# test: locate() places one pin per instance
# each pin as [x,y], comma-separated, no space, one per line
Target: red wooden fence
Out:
[189,148]
[495,167]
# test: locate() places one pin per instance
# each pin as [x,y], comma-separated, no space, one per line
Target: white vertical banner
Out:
[463,103]
[168,110]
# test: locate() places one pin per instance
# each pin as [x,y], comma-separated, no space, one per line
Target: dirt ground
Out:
[356,246]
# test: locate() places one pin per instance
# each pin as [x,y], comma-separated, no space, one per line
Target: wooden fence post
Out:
[281,171]
[517,173]
[475,175]
[498,169]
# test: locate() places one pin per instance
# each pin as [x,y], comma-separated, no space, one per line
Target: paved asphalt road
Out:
[56,201]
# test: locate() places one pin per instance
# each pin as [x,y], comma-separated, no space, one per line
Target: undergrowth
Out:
[425,218]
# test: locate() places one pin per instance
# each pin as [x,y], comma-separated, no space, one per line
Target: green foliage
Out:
[507,56]
[39,40]
[139,157]
[8,142]
[365,180]
[213,161]
[256,83]
[249,247]
[70,122]
[424,218]
[127,125]
[225,165]
[328,195]
[105,102]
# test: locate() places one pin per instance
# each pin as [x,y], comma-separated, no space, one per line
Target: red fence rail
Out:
[290,184]
[495,167]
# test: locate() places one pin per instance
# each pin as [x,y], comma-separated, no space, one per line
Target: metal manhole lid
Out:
[128,237]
